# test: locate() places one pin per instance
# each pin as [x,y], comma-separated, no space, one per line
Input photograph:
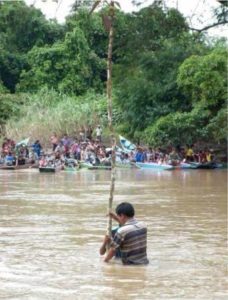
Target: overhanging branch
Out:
[223,2]
[209,26]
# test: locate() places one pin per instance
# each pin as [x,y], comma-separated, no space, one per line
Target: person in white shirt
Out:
[98,132]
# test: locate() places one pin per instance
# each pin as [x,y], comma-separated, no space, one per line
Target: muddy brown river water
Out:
[52,225]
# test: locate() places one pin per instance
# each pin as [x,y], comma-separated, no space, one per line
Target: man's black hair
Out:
[126,209]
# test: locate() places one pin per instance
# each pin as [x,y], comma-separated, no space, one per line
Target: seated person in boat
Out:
[60,148]
[90,156]
[140,155]
[174,158]
[43,161]
[189,153]
[36,147]
[209,157]
[75,150]
[20,159]
[126,159]
[7,146]
[2,160]
[54,141]
[59,156]
[131,156]
[105,157]
[9,159]
[130,238]
[160,156]
[71,162]
[205,156]
[201,157]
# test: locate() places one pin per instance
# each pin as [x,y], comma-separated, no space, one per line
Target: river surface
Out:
[52,225]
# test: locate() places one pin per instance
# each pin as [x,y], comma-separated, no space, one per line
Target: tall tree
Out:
[147,66]
[70,66]
[202,78]
[21,28]
[24,26]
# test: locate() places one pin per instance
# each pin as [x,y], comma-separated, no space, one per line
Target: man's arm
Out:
[103,247]
[111,253]
[114,217]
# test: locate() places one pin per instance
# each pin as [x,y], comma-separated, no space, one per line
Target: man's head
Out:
[125,211]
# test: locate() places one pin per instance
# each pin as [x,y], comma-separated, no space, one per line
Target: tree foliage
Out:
[50,110]
[203,80]
[22,27]
[146,76]
[69,66]
[170,83]
[10,105]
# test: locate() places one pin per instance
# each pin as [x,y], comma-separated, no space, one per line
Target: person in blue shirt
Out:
[9,159]
[140,156]
[36,147]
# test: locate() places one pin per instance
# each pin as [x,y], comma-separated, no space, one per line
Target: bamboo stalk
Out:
[109,107]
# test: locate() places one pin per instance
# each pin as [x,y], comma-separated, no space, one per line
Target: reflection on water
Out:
[51,227]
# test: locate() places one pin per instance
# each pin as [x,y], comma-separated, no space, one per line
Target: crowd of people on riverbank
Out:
[173,155]
[60,150]
[68,150]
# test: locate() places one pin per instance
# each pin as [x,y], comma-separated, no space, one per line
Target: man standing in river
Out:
[130,238]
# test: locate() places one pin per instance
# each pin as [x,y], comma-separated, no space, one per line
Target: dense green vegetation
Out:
[169,84]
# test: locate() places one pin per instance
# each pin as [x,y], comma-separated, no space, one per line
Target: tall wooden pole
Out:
[108,24]
[109,105]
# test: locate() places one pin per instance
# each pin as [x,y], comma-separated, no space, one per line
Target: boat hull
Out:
[94,167]
[71,169]
[129,165]
[84,165]
[49,169]
[185,166]
[99,168]
[13,167]
[154,166]
[206,166]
